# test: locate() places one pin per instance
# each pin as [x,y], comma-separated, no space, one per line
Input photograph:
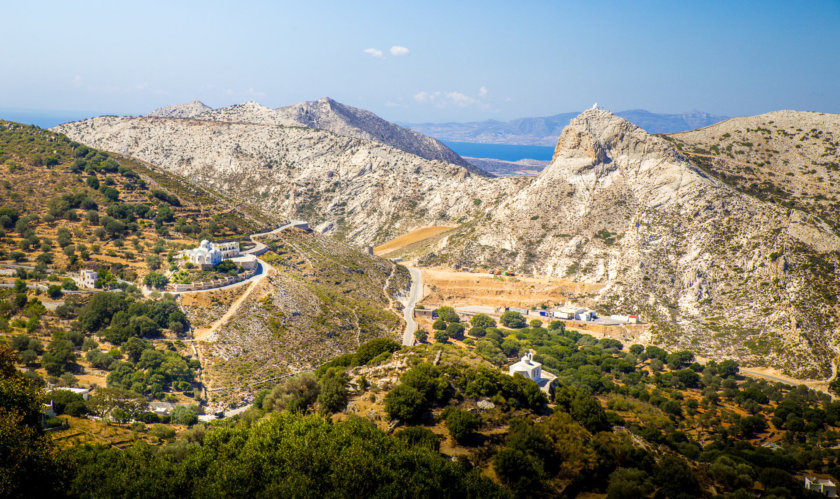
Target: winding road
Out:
[414,295]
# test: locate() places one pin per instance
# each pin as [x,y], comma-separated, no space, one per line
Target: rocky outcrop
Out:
[188,110]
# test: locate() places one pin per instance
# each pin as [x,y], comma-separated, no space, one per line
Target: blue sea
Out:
[42,117]
[504,152]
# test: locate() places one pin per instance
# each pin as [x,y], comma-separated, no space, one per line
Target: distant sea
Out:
[42,117]
[504,152]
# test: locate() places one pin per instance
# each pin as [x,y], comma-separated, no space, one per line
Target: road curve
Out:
[408,311]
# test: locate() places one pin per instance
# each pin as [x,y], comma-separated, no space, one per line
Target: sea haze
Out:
[505,152]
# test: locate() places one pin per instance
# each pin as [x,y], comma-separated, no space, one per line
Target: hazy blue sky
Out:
[424,61]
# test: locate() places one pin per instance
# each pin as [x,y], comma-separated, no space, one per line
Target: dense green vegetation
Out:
[626,422]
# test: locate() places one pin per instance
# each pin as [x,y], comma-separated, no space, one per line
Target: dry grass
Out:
[412,237]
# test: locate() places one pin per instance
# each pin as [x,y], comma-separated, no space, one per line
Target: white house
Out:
[824,486]
[88,278]
[527,367]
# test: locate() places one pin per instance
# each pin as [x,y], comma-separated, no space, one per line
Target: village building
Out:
[572,313]
[822,484]
[527,367]
[532,370]
[210,254]
[88,278]
[159,407]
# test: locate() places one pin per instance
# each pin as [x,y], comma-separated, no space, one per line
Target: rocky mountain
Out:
[188,110]
[323,114]
[545,130]
[363,191]
[718,271]
[787,157]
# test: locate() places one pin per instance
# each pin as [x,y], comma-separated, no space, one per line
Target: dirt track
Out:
[465,288]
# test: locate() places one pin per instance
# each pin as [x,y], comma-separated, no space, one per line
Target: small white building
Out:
[527,367]
[206,255]
[160,407]
[824,486]
[572,313]
[229,249]
[88,278]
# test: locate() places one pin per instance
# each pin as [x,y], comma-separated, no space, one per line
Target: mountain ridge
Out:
[544,130]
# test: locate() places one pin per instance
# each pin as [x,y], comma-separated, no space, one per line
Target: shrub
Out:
[455,330]
[512,320]
[461,424]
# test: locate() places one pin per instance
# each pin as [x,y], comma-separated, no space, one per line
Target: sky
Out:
[429,61]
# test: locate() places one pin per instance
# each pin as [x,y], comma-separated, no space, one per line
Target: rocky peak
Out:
[188,110]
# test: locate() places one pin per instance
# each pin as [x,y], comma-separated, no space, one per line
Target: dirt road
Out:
[408,312]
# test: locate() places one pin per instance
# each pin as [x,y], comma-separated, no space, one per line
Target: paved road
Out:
[261,270]
[408,312]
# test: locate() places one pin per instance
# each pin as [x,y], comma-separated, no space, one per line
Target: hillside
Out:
[362,191]
[787,157]
[713,268]
[327,114]
[65,207]
[321,299]
[543,131]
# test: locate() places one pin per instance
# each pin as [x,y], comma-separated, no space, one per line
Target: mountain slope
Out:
[788,157]
[327,114]
[545,130]
[715,269]
[361,190]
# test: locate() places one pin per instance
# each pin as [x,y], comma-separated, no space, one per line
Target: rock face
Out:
[188,110]
[714,269]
